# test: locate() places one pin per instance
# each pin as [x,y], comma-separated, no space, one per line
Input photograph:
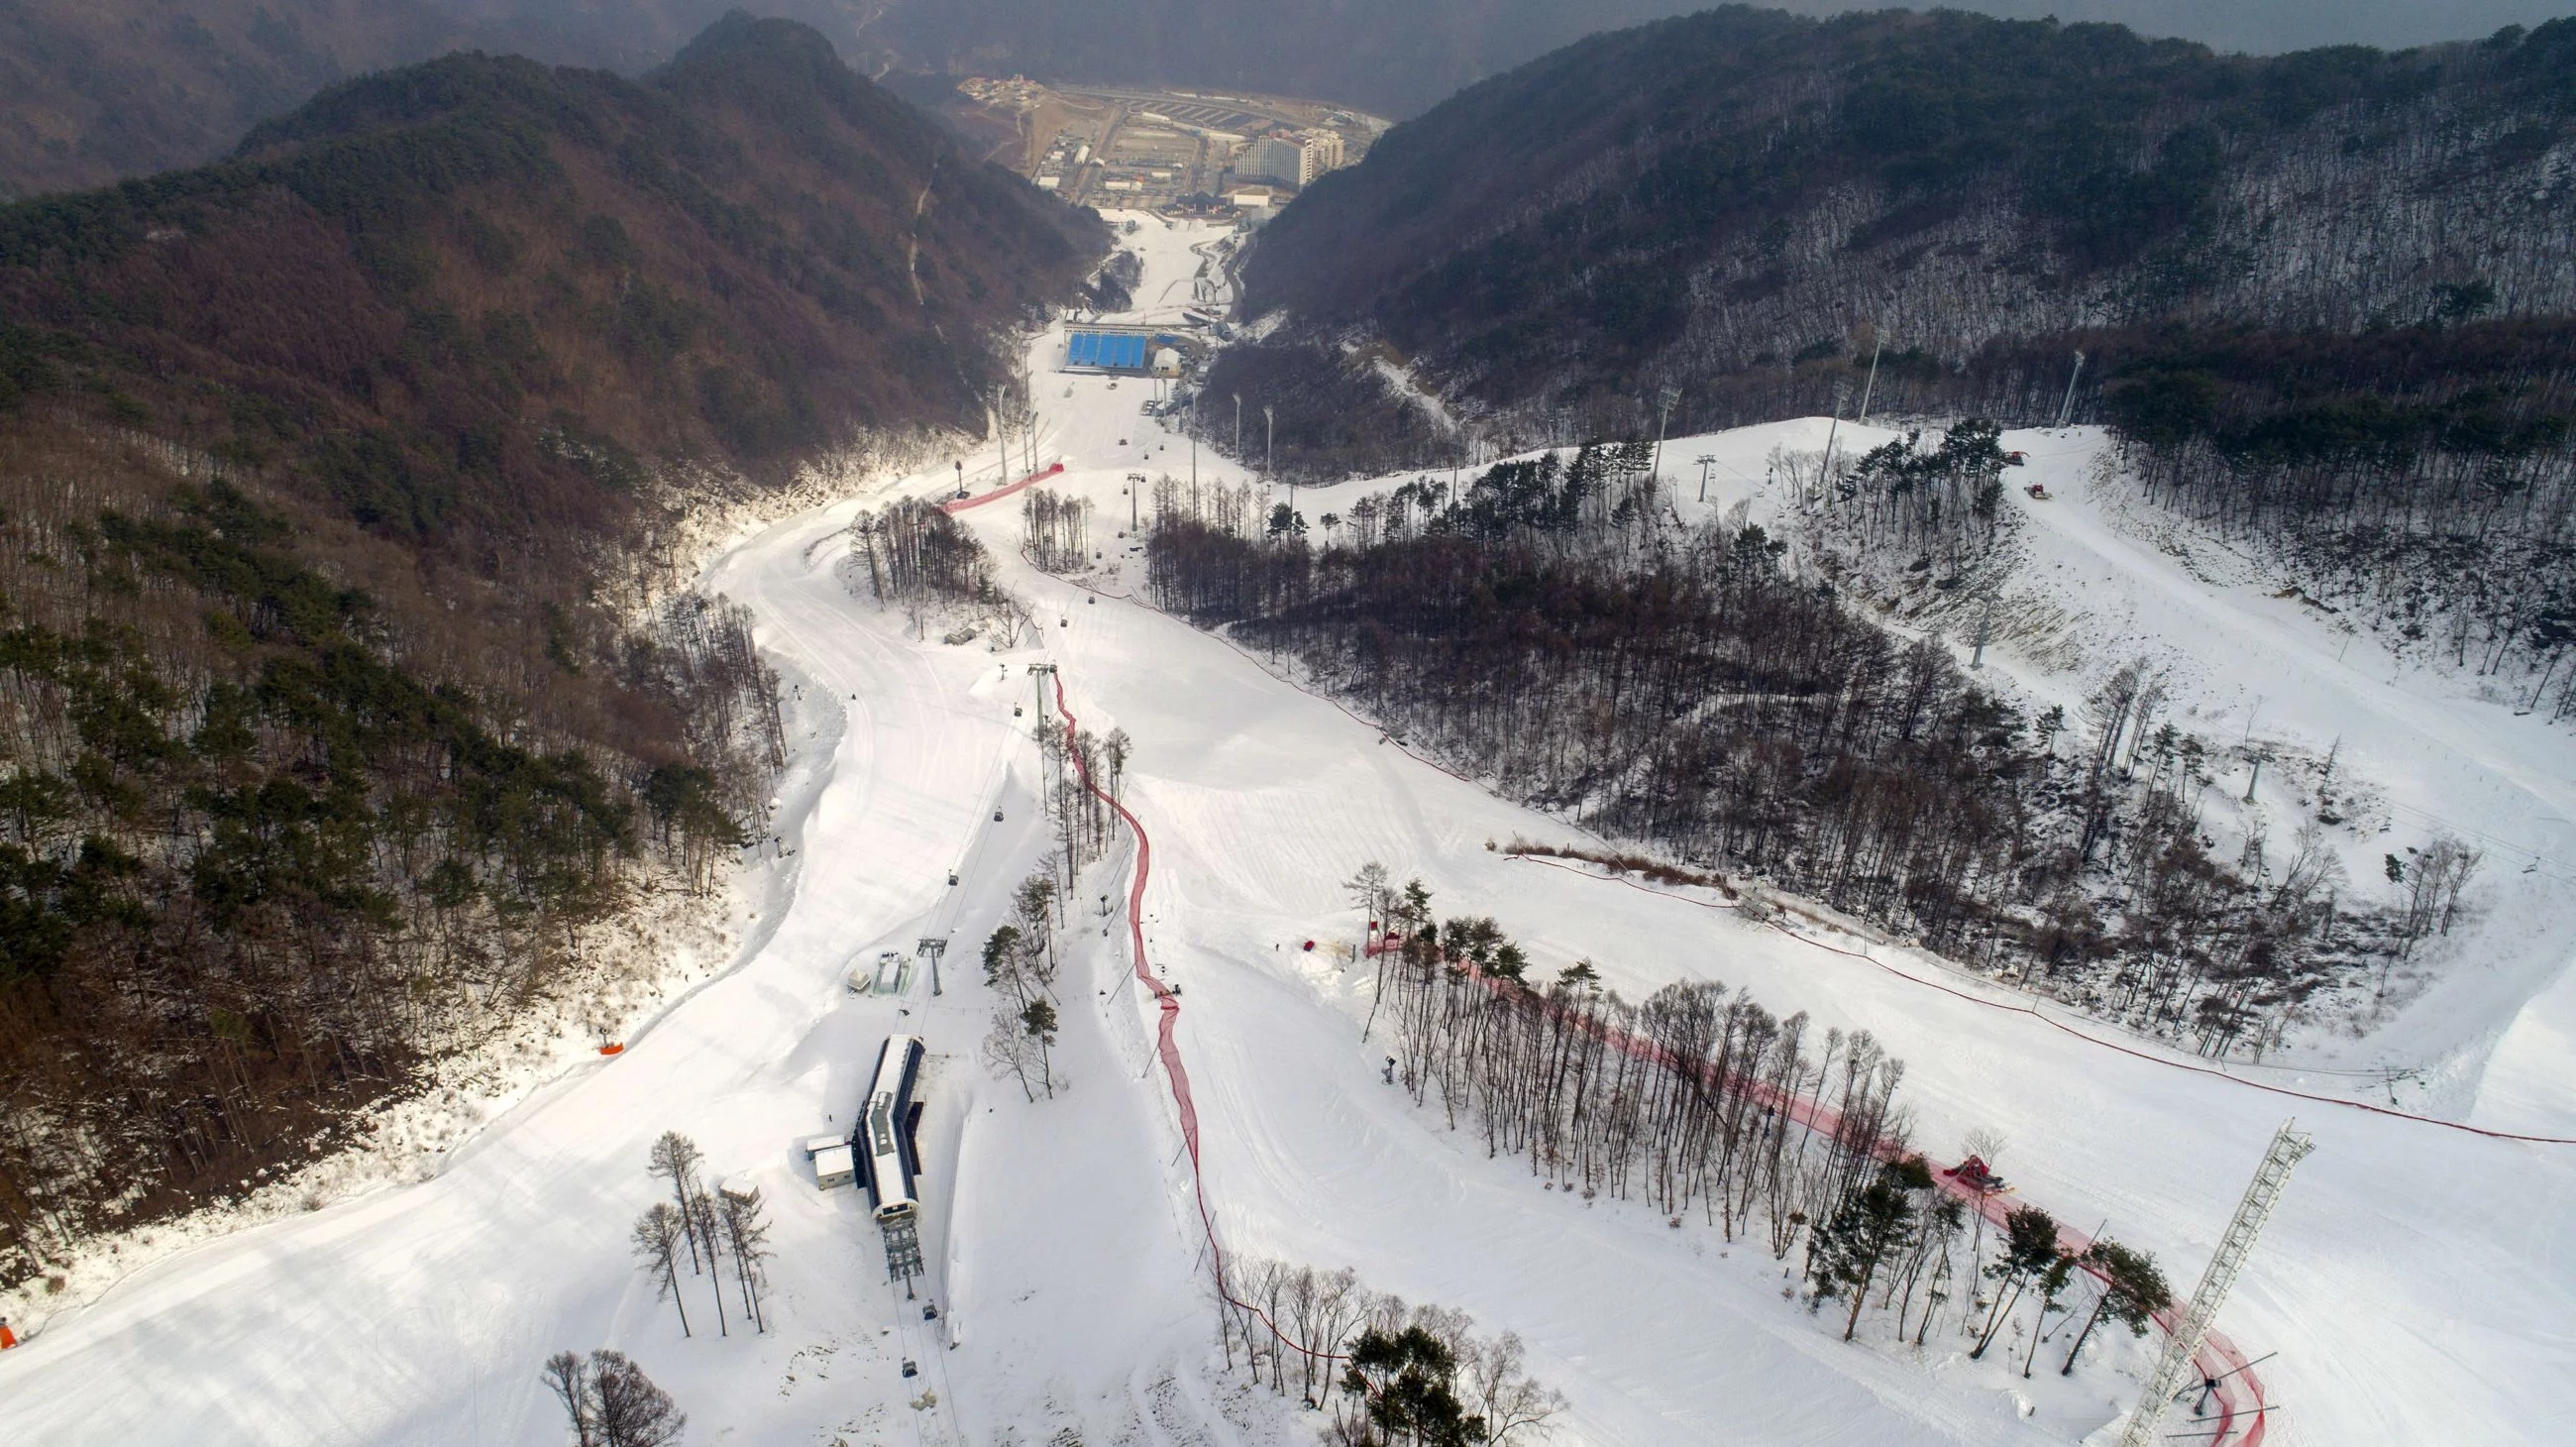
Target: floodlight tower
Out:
[1668,396]
[1825,469]
[1270,455]
[2191,1324]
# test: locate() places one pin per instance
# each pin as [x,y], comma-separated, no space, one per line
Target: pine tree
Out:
[1002,961]
[2030,1248]
[1844,1254]
[2133,1291]
[2051,1285]
[1407,1382]
[1038,1021]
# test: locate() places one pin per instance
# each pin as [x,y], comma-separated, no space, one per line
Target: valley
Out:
[1064,1248]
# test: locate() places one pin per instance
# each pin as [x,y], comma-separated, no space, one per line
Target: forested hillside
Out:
[338,483]
[94,90]
[1556,630]
[1738,202]
[2326,298]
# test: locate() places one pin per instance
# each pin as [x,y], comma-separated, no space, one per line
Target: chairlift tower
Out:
[2174,1371]
[931,947]
[1039,673]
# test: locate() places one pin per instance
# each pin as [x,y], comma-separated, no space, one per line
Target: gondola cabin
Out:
[884,1143]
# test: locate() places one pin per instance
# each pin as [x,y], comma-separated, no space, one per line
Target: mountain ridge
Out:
[1739,201]
[343,692]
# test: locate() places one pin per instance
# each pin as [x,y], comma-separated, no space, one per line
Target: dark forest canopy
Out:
[1739,202]
[465,262]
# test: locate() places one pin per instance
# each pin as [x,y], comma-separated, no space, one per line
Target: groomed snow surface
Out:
[2418,1282]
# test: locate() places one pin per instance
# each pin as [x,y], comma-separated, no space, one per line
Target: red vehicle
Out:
[2037,491]
[1974,1174]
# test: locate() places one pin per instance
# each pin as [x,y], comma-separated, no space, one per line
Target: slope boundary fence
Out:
[956,505]
[2237,1394]
[1166,1048]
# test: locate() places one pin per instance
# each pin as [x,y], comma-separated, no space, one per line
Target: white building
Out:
[1291,160]
[834,1165]
[1271,158]
[1322,152]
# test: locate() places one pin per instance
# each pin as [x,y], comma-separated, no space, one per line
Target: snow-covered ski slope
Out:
[2418,1281]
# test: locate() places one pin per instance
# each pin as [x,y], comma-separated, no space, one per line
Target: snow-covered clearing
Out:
[2418,1282]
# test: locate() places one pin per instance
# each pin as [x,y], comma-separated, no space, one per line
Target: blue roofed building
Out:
[1124,350]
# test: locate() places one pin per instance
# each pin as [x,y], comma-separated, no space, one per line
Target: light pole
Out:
[1270,453]
[1667,396]
[1238,425]
[1194,457]
[2067,406]
[1878,345]
[1825,469]
[1705,462]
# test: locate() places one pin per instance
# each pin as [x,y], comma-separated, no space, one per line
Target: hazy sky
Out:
[2261,25]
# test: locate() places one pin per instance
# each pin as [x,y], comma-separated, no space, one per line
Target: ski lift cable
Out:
[2492,841]
[2031,1007]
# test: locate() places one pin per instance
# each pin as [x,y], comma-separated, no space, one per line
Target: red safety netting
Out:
[1166,1048]
[960,504]
[2238,1397]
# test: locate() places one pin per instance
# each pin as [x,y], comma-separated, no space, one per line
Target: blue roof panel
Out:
[1114,350]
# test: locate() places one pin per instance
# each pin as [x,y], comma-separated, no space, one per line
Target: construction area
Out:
[1175,152]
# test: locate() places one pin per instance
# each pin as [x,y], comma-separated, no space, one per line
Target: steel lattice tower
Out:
[2174,1371]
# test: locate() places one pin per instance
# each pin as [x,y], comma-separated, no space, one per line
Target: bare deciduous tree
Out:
[658,1239]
